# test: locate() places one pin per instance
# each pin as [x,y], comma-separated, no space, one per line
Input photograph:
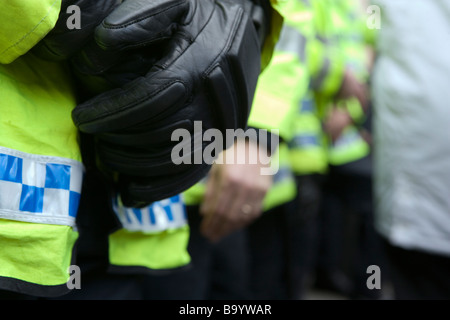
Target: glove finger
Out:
[146,163]
[137,191]
[135,25]
[140,22]
[236,74]
[122,108]
[151,137]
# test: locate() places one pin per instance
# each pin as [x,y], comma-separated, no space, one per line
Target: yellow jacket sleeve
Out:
[326,62]
[24,23]
[284,77]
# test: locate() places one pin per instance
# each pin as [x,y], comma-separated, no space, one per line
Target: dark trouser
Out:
[283,244]
[218,270]
[349,243]
[302,222]
[9,295]
[417,275]
[248,264]
[269,252]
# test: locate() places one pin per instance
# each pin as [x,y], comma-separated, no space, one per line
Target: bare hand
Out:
[336,122]
[352,87]
[234,193]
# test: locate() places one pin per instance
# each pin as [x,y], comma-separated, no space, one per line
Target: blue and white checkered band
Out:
[159,216]
[40,189]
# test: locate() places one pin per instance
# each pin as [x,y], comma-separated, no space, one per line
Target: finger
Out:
[217,221]
[246,206]
[133,25]
[256,205]
[120,109]
[242,207]
[256,198]
[137,162]
[229,216]
[140,22]
[148,137]
[161,187]
[217,218]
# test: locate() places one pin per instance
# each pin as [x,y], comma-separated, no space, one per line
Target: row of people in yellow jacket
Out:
[319,68]
[42,168]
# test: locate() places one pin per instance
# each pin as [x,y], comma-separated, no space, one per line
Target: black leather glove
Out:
[61,43]
[170,63]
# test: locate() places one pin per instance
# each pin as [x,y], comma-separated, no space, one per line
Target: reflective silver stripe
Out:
[159,216]
[283,175]
[39,189]
[317,82]
[322,39]
[292,41]
[351,135]
[307,105]
[305,140]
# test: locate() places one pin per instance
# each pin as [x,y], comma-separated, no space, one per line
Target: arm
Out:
[24,23]
[155,67]
[236,188]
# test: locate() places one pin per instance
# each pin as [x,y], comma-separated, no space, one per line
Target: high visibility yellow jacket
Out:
[40,168]
[343,29]
[315,66]
[41,172]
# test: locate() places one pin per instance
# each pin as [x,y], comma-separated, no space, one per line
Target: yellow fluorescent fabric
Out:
[38,98]
[349,147]
[36,102]
[163,250]
[23,23]
[308,158]
[36,253]
[271,39]
[283,188]
[194,195]
[274,103]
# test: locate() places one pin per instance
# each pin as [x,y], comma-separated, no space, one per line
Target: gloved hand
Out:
[170,63]
[61,43]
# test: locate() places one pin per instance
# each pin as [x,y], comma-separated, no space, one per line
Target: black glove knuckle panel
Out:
[140,23]
[233,80]
[158,66]
[125,108]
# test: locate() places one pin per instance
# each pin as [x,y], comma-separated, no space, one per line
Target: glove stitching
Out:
[128,106]
[228,44]
[237,21]
[111,26]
